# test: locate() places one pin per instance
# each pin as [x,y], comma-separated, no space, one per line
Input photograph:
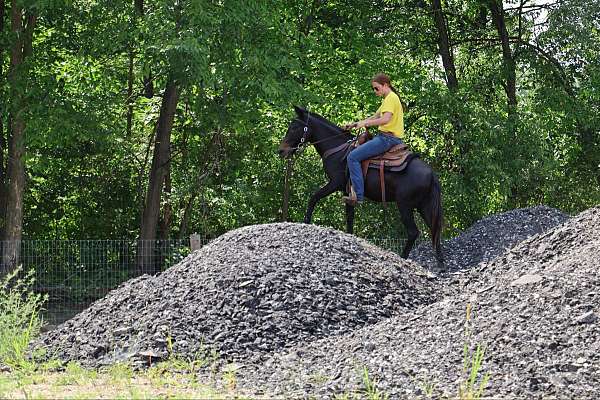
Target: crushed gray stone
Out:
[249,292]
[300,311]
[490,237]
[541,338]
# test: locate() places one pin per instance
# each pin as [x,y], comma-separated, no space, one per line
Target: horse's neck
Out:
[327,139]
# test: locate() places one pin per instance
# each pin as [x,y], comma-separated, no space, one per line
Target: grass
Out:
[470,389]
[78,383]
[230,377]
[173,378]
[28,379]
[474,382]
[19,318]
[119,381]
[371,390]
[428,388]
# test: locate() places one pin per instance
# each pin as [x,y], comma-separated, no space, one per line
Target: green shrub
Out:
[20,319]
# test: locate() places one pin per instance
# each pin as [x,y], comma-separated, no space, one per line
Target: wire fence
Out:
[75,273]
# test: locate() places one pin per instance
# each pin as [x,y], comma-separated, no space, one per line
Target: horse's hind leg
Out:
[437,247]
[325,191]
[408,219]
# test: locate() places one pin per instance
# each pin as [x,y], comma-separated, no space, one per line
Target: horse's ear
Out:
[301,112]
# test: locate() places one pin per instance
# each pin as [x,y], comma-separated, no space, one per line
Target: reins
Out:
[304,139]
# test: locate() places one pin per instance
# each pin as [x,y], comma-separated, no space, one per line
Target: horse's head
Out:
[297,134]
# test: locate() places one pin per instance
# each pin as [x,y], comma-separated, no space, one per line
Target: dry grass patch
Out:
[85,384]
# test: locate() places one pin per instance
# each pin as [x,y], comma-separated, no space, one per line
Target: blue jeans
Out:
[378,145]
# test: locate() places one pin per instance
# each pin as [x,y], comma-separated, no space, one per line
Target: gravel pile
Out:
[300,311]
[490,237]
[249,292]
[535,309]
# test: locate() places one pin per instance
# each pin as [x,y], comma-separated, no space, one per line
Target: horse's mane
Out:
[325,121]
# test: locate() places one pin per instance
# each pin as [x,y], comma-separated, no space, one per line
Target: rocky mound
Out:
[535,310]
[251,291]
[490,237]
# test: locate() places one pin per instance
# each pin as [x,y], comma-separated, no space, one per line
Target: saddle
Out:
[395,159]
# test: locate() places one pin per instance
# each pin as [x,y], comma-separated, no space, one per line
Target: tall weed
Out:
[372,392]
[475,381]
[20,319]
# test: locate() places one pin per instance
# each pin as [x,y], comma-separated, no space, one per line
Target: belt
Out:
[389,134]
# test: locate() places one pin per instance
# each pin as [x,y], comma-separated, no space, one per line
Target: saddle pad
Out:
[388,166]
[397,148]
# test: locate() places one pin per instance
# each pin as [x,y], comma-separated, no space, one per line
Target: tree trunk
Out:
[148,81]
[187,215]
[14,204]
[510,74]
[285,206]
[3,191]
[167,212]
[21,49]
[164,224]
[3,113]
[157,174]
[444,45]
[212,162]
[130,78]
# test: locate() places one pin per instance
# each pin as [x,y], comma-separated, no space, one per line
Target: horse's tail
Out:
[436,213]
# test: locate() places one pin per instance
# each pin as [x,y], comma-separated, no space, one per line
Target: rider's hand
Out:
[361,124]
[347,127]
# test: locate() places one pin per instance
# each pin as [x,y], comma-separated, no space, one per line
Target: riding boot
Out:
[351,199]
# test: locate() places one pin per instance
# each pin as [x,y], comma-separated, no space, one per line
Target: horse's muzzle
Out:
[285,150]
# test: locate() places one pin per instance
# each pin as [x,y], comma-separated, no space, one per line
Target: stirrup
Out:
[351,199]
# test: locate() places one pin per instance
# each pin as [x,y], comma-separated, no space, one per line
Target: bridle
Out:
[304,139]
[306,134]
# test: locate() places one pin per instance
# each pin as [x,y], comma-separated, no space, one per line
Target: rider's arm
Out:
[375,120]
[373,117]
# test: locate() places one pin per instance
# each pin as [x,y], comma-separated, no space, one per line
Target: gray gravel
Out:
[301,311]
[490,237]
[535,309]
[251,291]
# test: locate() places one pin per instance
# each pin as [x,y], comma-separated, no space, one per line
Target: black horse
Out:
[417,187]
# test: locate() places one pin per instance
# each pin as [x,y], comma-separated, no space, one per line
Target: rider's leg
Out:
[369,149]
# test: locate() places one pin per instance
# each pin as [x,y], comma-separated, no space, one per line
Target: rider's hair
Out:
[384,79]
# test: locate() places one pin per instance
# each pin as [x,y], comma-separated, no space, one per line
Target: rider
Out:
[389,119]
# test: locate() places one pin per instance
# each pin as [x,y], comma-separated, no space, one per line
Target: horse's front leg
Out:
[325,191]
[349,219]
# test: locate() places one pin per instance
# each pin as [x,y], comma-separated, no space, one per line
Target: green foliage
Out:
[20,318]
[241,65]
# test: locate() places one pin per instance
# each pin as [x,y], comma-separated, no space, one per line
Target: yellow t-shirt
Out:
[391,103]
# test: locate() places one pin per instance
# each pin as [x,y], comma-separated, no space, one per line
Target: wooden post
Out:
[195,242]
